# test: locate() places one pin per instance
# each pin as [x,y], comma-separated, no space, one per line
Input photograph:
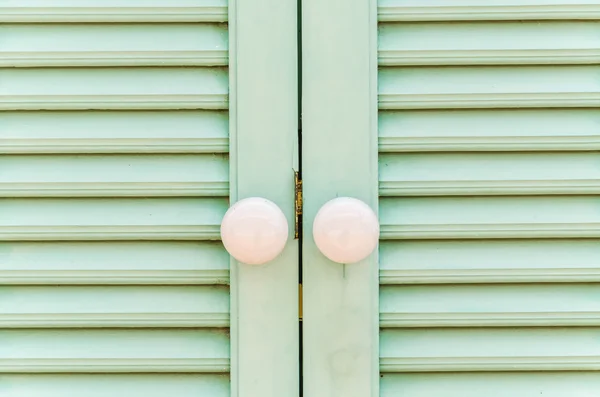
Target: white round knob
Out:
[346,230]
[254,231]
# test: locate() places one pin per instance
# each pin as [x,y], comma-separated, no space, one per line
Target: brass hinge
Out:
[297,203]
[298,226]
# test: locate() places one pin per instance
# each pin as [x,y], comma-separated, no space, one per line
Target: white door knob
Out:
[254,231]
[346,230]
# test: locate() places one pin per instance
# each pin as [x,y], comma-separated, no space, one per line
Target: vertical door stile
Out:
[263,128]
[339,125]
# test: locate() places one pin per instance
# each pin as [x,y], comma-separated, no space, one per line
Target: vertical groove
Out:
[300,231]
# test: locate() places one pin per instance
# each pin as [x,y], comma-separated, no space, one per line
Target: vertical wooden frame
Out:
[263,141]
[339,118]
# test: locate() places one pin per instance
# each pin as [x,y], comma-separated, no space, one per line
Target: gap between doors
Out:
[299,201]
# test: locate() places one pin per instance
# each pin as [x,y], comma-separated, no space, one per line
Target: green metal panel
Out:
[126,132]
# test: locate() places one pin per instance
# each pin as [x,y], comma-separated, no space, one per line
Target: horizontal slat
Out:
[113,45]
[489,44]
[491,261]
[113,263]
[510,384]
[490,306]
[56,351]
[491,217]
[489,174]
[113,88]
[114,176]
[114,132]
[111,219]
[489,130]
[111,11]
[114,385]
[488,87]
[157,262]
[110,307]
[494,349]
[490,10]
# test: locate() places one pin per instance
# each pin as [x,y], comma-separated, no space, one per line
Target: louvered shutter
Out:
[487,184]
[487,197]
[116,172]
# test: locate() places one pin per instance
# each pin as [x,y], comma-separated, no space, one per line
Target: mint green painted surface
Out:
[489,261]
[111,262]
[339,131]
[113,89]
[264,135]
[157,44]
[492,10]
[75,11]
[488,183]
[493,384]
[198,131]
[489,130]
[140,129]
[101,385]
[508,43]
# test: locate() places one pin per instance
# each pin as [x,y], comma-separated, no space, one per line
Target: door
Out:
[129,130]
[472,129]
[126,131]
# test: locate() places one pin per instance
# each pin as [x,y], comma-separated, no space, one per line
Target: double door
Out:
[131,131]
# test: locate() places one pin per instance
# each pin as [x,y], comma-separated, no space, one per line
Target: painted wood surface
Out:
[113,89]
[112,262]
[494,10]
[489,261]
[339,133]
[264,136]
[510,43]
[493,384]
[138,131]
[38,45]
[118,385]
[75,11]
[54,132]
[488,204]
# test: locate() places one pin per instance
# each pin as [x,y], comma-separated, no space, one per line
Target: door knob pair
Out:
[254,230]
